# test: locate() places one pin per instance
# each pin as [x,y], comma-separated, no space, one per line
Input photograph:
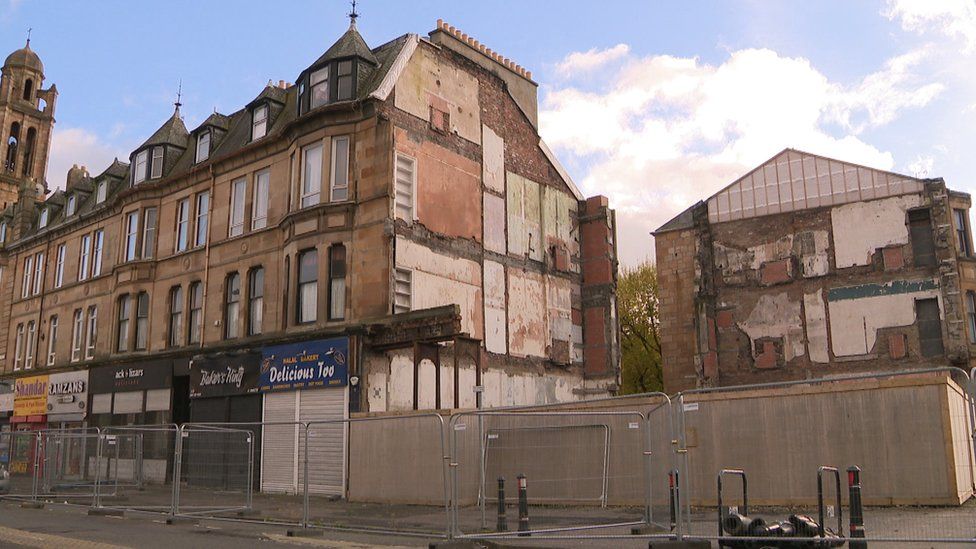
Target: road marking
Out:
[24,538]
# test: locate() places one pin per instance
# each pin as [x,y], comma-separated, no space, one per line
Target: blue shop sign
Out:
[320,363]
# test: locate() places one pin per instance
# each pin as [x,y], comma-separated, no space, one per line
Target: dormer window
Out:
[319,82]
[146,166]
[345,81]
[70,207]
[259,122]
[139,169]
[42,222]
[157,163]
[101,191]
[203,146]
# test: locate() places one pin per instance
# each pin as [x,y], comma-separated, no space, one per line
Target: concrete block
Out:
[182,520]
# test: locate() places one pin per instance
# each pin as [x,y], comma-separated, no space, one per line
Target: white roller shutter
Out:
[326,442]
[102,404]
[128,402]
[279,444]
[157,400]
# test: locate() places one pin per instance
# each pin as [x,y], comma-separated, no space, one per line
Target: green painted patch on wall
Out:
[874,290]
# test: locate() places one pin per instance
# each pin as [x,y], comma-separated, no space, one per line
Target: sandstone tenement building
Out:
[810,267]
[389,233]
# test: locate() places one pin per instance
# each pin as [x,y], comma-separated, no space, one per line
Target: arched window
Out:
[28,89]
[29,150]
[11,159]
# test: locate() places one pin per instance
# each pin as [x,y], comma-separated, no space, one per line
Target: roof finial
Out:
[179,96]
[353,15]
[28,36]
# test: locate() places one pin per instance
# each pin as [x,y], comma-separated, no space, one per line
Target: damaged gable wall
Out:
[496,231]
[812,292]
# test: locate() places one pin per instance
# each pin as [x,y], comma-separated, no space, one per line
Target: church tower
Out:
[26,124]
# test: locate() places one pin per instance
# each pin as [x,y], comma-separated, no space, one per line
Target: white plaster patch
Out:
[777,317]
[854,323]
[494,226]
[527,332]
[524,208]
[426,75]
[861,228]
[438,279]
[816,317]
[493,160]
[495,307]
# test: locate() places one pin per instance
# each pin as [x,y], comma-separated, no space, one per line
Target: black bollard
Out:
[857,512]
[523,505]
[502,521]
[673,485]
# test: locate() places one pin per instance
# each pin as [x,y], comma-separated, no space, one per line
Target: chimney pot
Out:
[528,74]
[440,23]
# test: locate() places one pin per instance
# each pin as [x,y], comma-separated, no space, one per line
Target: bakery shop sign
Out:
[224,375]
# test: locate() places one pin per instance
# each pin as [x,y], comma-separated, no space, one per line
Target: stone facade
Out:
[811,267]
[451,246]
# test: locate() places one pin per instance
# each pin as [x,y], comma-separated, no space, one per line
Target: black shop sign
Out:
[134,376]
[225,375]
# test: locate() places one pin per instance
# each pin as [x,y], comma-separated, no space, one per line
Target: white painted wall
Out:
[527,329]
[861,228]
[495,319]
[440,279]
[493,160]
[425,76]
[854,323]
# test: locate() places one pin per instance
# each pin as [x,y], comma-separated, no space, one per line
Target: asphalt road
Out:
[64,526]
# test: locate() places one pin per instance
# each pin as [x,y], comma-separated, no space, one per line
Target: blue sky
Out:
[656,104]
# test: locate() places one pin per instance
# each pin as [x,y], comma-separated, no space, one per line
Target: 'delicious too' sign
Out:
[319,363]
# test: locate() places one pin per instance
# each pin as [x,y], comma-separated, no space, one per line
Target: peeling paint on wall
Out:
[494,238]
[524,213]
[428,80]
[439,279]
[527,332]
[855,321]
[560,318]
[493,160]
[861,228]
[390,383]
[809,246]
[495,307]
[776,316]
[816,316]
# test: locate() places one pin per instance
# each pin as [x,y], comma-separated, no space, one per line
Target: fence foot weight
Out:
[181,520]
[304,533]
[673,544]
[248,513]
[32,505]
[103,512]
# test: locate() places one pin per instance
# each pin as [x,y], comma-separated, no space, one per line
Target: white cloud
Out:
[586,61]
[71,146]
[669,131]
[921,166]
[954,18]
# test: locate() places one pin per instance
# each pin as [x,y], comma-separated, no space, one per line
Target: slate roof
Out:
[237,126]
[350,44]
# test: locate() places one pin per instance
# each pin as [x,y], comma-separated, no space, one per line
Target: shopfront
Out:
[305,382]
[224,389]
[6,410]
[30,414]
[131,394]
[67,400]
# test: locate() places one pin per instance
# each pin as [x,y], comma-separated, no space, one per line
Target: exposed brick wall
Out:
[675,253]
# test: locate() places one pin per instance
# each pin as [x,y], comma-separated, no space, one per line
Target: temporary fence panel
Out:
[413,470]
[65,467]
[908,433]
[326,451]
[576,469]
[216,467]
[136,467]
